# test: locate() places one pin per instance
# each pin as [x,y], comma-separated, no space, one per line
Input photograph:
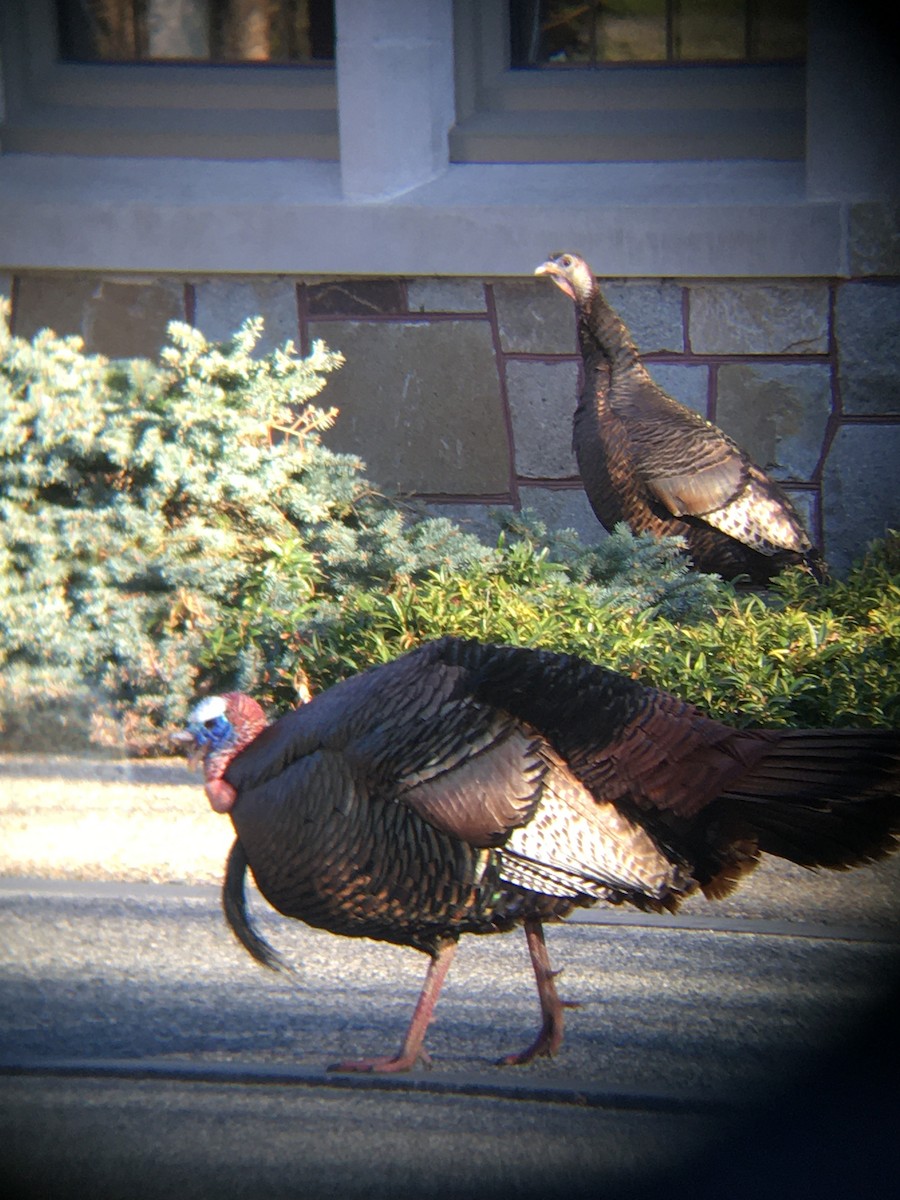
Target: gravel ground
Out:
[96,819]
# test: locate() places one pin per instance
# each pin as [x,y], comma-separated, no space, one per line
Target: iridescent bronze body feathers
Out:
[469,788]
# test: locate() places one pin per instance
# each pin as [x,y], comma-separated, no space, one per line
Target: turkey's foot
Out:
[547,1042]
[545,1045]
[412,1051]
[383,1064]
[550,1035]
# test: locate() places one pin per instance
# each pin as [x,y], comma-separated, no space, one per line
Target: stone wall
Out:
[461,390]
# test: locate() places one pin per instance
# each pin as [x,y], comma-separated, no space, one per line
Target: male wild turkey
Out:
[647,460]
[468,788]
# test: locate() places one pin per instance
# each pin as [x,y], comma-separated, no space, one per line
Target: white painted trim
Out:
[156,109]
[676,112]
[395,88]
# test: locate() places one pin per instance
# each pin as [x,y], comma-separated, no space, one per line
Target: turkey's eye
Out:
[217,728]
[566,262]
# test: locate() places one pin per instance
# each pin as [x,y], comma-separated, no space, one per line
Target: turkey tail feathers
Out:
[234,902]
[825,797]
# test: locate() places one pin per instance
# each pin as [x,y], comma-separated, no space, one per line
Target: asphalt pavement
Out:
[143,1054]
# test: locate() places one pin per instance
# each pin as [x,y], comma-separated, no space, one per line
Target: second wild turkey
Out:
[470,788]
[651,462]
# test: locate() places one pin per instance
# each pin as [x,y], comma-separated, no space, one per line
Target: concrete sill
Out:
[290,217]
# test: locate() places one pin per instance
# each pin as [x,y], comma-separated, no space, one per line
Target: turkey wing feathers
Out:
[413,734]
[471,737]
[622,740]
[510,748]
[687,463]
[683,463]
[696,493]
[480,792]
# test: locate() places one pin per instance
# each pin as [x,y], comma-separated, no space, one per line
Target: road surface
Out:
[144,1054]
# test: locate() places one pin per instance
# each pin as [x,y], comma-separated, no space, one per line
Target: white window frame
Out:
[154,109]
[654,112]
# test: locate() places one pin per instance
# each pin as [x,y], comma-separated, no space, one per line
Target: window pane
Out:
[634,31]
[560,32]
[564,33]
[778,29]
[710,30]
[283,31]
[551,31]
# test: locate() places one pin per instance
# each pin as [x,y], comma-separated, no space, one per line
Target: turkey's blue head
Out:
[218,729]
[571,274]
[209,725]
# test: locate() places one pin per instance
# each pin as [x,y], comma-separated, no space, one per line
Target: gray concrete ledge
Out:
[641,219]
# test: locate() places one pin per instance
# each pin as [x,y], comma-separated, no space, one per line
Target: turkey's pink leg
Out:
[412,1049]
[550,1035]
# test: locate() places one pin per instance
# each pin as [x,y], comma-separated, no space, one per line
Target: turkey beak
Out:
[186,740]
[555,272]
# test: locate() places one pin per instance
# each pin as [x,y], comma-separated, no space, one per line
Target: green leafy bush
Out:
[165,527]
[173,528]
[522,595]
[803,655]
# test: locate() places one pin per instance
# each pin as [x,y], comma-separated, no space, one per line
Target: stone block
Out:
[867,330]
[777,412]
[652,312]
[542,398]
[356,297]
[534,317]
[565,508]
[56,302]
[420,403]
[129,318]
[873,238]
[221,305]
[118,317]
[477,519]
[759,318]
[445,295]
[685,383]
[860,495]
[805,504]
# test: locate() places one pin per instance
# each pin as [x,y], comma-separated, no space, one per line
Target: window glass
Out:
[225,31]
[710,29]
[560,33]
[778,29]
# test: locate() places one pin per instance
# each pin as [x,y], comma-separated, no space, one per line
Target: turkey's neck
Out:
[600,328]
